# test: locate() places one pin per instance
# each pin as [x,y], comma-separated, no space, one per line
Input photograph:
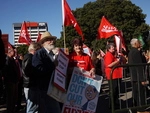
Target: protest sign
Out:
[83,92]
[56,93]
[57,83]
[61,71]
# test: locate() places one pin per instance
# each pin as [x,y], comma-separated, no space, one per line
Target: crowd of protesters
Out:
[33,72]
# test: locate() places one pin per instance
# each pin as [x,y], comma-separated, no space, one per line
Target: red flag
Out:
[69,19]
[106,29]
[39,37]
[24,35]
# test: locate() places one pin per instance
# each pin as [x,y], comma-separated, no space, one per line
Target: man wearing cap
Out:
[44,65]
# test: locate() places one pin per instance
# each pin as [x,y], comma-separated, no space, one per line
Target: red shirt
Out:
[82,61]
[108,59]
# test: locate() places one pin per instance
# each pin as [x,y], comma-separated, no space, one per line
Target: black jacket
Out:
[10,71]
[134,57]
[27,71]
[43,68]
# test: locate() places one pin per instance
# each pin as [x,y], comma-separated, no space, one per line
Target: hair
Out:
[133,41]
[77,41]
[34,46]
[108,46]
[94,55]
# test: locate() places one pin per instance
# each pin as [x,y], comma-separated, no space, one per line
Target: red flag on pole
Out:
[24,35]
[106,29]
[69,19]
[39,37]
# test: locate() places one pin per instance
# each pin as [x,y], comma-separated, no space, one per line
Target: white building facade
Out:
[34,28]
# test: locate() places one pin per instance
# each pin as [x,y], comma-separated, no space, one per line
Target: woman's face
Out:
[78,48]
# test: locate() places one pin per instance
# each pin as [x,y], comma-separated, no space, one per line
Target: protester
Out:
[98,63]
[44,66]
[2,63]
[2,52]
[137,75]
[29,79]
[11,79]
[20,83]
[111,60]
[79,59]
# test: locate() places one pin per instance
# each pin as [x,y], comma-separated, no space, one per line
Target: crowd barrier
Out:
[126,101]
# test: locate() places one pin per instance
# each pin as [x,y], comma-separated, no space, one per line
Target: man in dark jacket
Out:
[44,66]
[137,77]
[29,79]
[2,63]
[11,79]
[2,52]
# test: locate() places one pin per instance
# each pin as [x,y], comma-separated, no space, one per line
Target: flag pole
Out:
[63,27]
[64,36]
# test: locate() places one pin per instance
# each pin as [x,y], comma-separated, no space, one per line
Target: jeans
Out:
[26,90]
[32,101]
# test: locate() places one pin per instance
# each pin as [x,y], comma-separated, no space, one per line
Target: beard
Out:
[50,47]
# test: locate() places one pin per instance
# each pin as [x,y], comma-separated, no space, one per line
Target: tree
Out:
[23,49]
[122,14]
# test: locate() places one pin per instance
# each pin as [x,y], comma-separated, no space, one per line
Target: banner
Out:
[118,43]
[140,38]
[83,92]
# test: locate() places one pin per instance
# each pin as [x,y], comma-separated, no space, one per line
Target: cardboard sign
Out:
[61,71]
[83,92]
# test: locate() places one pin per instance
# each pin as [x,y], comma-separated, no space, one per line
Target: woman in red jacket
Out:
[77,58]
[110,60]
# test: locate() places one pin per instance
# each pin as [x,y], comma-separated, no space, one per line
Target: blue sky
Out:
[13,11]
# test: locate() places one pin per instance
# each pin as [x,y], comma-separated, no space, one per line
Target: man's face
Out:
[50,44]
[138,44]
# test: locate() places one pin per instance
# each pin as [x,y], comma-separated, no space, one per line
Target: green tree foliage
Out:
[122,14]
[23,49]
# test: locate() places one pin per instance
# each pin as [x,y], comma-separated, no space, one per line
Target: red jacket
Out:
[108,59]
[82,61]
